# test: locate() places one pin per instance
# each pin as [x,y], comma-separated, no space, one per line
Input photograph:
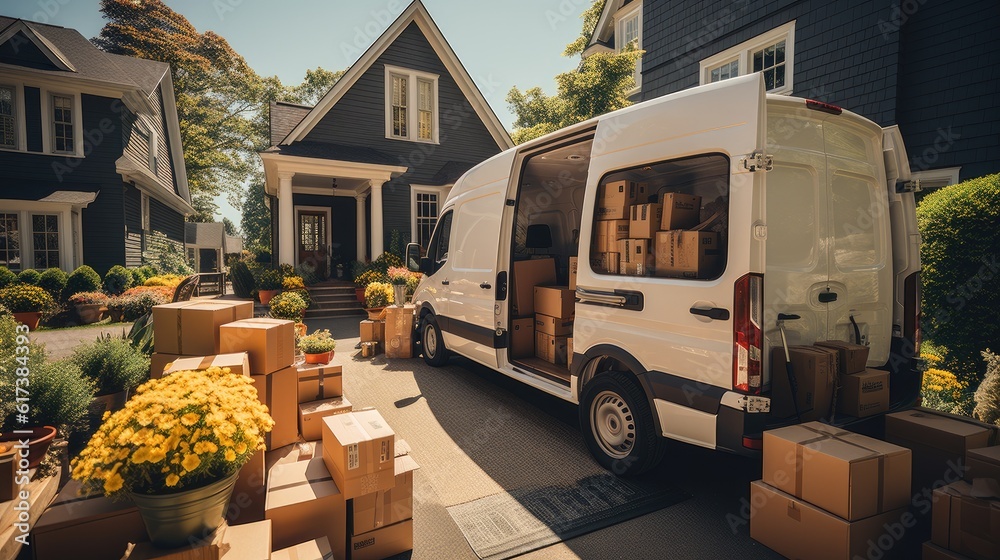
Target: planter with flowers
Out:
[399,277]
[90,306]
[176,449]
[27,303]
[377,296]
[366,277]
[269,284]
[288,305]
[318,347]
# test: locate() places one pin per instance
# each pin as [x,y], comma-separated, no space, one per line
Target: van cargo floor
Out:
[548,369]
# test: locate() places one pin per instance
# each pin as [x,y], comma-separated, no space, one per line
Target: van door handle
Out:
[445,282]
[827,297]
[624,299]
[716,313]
[485,286]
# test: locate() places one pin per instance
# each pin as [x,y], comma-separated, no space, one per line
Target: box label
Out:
[353,456]
[385,455]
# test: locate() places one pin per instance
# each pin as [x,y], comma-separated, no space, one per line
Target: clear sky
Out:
[501,43]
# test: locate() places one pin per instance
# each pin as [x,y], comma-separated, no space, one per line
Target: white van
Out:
[805,208]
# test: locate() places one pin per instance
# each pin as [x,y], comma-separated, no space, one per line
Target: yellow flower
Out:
[113,483]
[172,480]
[191,462]
[230,454]
[205,446]
[141,455]
[241,447]
[190,419]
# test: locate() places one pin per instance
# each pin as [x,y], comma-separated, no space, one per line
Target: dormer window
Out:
[411,105]
[149,141]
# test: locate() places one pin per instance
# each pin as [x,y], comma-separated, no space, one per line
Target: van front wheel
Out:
[431,342]
[618,426]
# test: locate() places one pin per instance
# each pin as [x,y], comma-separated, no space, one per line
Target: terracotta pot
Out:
[360,294]
[321,358]
[89,312]
[29,318]
[40,437]
[172,519]
[300,329]
[266,295]
[375,313]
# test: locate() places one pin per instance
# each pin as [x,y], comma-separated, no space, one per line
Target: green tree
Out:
[599,85]
[229,226]
[256,219]
[315,85]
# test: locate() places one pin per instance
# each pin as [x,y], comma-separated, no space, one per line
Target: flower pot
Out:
[39,439]
[89,312]
[116,315]
[360,294]
[399,294]
[321,358]
[300,329]
[29,318]
[266,295]
[172,519]
[375,313]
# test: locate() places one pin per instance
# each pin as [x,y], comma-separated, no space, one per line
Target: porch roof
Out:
[323,150]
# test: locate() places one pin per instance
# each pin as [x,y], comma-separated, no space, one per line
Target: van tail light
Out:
[911,311]
[748,335]
[823,107]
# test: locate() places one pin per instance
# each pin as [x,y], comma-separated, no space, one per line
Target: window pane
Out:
[8,130]
[52,223]
[716,75]
[62,123]
[38,222]
[769,78]
[758,61]
[779,76]
[768,56]
[779,52]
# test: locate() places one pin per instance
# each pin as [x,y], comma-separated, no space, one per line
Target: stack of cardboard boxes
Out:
[827,492]
[544,312]
[635,237]
[393,332]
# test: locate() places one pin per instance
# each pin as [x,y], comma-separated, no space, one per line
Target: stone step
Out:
[333,313]
[333,298]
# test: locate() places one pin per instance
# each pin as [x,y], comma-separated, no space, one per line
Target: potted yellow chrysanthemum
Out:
[177,447]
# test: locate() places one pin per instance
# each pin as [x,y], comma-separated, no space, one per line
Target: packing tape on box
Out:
[800,457]
[177,317]
[379,508]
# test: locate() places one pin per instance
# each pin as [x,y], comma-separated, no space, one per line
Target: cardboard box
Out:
[320,381]
[358,451]
[635,257]
[615,198]
[983,463]
[607,263]
[270,342]
[247,502]
[385,507]
[680,211]
[815,376]
[864,394]
[852,357]
[553,325]
[243,542]
[528,274]
[687,254]
[607,233]
[847,474]
[572,273]
[644,220]
[311,416]
[934,552]
[201,547]
[399,331]
[94,524]
[304,503]
[279,391]
[318,549]
[238,363]
[966,524]
[383,543]
[192,327]
[795,528]
[159,361]
[372,331]
[550,348]
[555,301]
[522,337]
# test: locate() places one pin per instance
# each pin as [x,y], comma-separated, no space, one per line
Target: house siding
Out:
[133,226]
[949,100]
[359,119]
[842,54]
[33,118]
[166,220]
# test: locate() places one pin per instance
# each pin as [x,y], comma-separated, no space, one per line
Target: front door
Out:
[313,246]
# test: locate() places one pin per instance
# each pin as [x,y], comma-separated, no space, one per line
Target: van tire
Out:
[618,425]
[432,343]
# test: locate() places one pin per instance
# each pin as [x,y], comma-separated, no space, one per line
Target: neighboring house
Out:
[90,152]
[380,152]
[929,67]
[208,244]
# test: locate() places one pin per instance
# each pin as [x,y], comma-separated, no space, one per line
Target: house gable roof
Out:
[283,117]
[414,13]
[604,32]
[19,33]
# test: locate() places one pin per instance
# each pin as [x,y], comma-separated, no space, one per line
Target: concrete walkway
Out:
[59,343]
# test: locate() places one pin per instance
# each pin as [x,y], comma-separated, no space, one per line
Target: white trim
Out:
[25,209]
[143,179]
[743,51]
[605,27]
[417,13]
[275,163]
[48,123]
[298,232]
[413,78]
[628,12]
[441,192]
[51,52]
[153,143]
[937,178]
[20,130]
[174,140]
[144,219]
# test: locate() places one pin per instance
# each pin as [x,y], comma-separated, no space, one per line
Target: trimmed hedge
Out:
[117,280]
[83,279]
[53,281]
[29,276]
[7,277]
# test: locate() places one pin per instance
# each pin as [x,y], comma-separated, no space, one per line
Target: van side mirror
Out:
[413,257]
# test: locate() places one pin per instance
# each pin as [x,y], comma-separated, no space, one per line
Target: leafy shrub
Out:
[147,272]
[169,280]
[386,260]
[286,270]
[988,394]
[89,298]
[270,279]
[378,294]
[22,298]
[4,312]
[9,364]
[287,305]
[242,279]
[6,277]
[29,276]
[318,342]
[941,389]
[356,268]
[83,279]
[263,257]
[53,281]
[112,363]
[60,396]
[137,277]
[304,294]
[293,283]
[961,283]
[117,280]
[165,255]
[369,276]
[138,301]
[412,282]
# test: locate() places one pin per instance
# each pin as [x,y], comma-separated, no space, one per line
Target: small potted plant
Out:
[116,307]
[27,303]
[90,306]
[318,347]
[269,284]
[176,450]
[288,305]
[377,296]
[115,366]
[398,277]
[364,278]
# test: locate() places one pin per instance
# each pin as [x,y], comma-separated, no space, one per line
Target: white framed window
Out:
[10,241]
[148,138]
[144,202]
[45,240]
[937,178]
[38,235]
[425,207]
[63,133]
[771,54]
[8,117]
[411,105]
[628,31]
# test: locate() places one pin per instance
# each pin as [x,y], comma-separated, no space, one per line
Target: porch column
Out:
[377,242]
[286,219]
[362,226]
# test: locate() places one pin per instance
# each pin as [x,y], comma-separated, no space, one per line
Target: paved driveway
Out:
[59,343]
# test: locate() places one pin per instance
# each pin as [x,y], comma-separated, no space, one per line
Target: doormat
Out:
[512,523]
